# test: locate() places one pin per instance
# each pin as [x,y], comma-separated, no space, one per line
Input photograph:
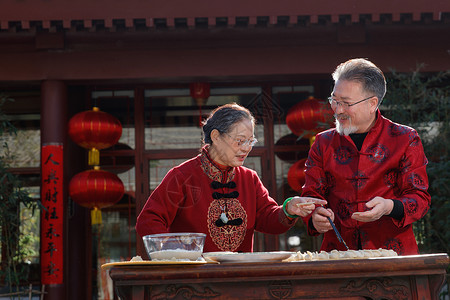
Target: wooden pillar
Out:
[79,259]
[53,188]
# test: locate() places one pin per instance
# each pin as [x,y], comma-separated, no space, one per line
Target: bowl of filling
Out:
[180,246]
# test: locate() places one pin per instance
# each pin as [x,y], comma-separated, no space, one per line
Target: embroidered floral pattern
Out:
[397,129]
[417,181]
[330,183]
[413,139]
[227,237]
[359,180]
[343,155]
[224,209]
[390,179]
[378,153]
[410,206]
[365,239]
[343,210]
[394,244]
[212,170]
[404,164]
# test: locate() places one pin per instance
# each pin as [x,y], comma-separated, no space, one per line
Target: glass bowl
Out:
[175,246]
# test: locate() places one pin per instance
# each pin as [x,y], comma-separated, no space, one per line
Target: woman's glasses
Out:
[242,142]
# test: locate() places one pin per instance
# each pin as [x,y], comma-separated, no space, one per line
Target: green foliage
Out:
[29,243]
[422,101]
[439,221]
[13,197]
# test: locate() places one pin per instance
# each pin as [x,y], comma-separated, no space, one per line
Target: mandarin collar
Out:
[212,169]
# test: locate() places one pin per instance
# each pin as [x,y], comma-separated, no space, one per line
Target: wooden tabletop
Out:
[419,264]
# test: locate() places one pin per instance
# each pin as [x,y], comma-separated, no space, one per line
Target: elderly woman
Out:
[215,194]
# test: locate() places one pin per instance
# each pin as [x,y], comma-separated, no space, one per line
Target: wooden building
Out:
[136,60]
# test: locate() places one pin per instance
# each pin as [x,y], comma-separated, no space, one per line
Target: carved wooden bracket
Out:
[377,289]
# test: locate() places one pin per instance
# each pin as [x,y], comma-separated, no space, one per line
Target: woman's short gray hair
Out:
[223,118]
[365,72]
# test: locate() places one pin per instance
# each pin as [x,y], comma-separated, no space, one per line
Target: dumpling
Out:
[334,254]
[323,255]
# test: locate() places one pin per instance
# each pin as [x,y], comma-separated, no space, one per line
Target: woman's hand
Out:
[303,206]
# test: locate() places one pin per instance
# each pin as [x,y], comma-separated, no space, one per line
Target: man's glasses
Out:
[345,105]
[241,142]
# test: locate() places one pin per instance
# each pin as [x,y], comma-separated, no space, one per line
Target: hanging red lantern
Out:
[200,92]
[287,142]
[296,175]
[94,130]
[96,189]
[309,117]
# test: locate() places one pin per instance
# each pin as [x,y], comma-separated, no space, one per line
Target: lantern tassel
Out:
[200,115]
[94,157]
[96,216]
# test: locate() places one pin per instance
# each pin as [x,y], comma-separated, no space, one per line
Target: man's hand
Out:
[303,206]
[378,207]
[320,221]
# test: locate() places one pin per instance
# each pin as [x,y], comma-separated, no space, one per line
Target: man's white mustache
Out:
[342,116]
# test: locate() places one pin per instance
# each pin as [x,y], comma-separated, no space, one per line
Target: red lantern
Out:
[200,92]
[96,189]
[296,175]
[94,130]
[308,117]
[301,148]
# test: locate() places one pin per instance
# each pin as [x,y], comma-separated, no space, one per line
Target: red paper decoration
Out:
[52,220]
[308,117]
[94,130]
[96,189]
[296,175]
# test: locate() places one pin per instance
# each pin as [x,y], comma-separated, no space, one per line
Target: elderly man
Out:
[371,170]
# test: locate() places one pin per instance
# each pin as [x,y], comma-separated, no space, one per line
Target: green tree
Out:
[422,101]
[13,198]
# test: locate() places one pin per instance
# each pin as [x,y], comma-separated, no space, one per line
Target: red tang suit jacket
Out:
[391,164]
[193,195]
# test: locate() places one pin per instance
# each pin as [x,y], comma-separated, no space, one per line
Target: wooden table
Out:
[405,277]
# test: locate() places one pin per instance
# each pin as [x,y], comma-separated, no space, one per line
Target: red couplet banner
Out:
[52,216]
